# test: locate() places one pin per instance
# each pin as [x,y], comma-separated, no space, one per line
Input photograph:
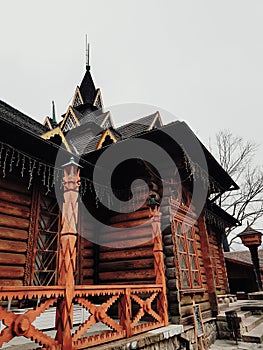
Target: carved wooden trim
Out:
[32,236]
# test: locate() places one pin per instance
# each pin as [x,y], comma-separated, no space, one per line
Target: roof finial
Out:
[87,53]
[54,121]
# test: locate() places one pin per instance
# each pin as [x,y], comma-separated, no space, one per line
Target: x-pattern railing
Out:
[118,324]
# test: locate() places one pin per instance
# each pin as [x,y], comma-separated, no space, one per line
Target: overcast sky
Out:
[202,61]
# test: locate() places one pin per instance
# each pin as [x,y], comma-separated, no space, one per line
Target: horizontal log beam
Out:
[14,197]
[14,209]
[127,276]
[11,259]
[14,222]
[13,272]
[13,246]
[13,234]
[126,265]
[127,254]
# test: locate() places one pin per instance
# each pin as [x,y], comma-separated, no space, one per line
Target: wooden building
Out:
[151,264]
[240,271]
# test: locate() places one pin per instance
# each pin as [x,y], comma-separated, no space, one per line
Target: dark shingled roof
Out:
[88,141]
[137,127]
[20,119]
[82,136]
[243,257]
[93,116]
[87,88]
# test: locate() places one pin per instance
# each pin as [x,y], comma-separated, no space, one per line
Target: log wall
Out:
[86,256]
[128,256]
[15,208]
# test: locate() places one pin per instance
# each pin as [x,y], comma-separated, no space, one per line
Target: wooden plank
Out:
[13,246]
[87,272]
[87,253]
[12,259]
[14,234]
[13,272]
[139,214]
[14,209]
[125,265]
[127,275]
[128,233]
[85,263]
[127,254]
[11,282]
[10,182]
[124,244]
[14,222]
[145,223]
[14,197]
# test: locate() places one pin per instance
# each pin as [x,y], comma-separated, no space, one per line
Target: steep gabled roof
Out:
[20,119]
[87,88]
[140,126]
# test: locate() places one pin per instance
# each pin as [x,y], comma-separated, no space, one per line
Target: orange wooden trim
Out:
[98,96]
[70,110]
[47,122]
[77,93]
[54,132]
[103,137]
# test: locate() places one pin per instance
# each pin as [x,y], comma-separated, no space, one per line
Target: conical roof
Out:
[249,231]
[87,88]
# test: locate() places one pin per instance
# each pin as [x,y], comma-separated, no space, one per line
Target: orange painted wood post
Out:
[159,268]
[67,254]
[125,312]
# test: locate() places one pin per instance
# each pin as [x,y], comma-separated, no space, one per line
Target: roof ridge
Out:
[137,120]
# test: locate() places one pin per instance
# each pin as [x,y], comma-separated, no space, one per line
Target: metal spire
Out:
[87,53]
[54,121]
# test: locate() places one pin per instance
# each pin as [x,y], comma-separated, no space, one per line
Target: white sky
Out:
[200,60]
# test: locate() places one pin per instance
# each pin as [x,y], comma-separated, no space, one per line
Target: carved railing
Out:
[112,312]
[17,325]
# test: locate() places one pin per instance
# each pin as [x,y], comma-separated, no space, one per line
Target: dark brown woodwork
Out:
[14,234]
[9,259]
[13,222]
[14,197]
[208,265]
[11,246]
[15,210]
[138,252]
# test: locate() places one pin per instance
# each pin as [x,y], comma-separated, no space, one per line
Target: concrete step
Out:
[251,322]
[242,314]
[255,335]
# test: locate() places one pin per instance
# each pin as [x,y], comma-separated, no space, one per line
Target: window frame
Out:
[185,256]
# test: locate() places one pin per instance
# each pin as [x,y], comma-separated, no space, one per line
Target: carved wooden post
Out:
[159,262]
[67,253]
[125,312]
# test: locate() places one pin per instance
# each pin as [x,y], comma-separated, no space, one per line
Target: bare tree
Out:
[236,156]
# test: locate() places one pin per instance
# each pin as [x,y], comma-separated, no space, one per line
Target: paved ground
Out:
[231,345]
